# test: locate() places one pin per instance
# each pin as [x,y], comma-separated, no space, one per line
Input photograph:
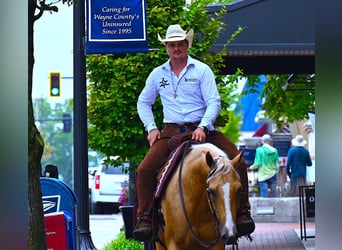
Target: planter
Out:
[127,215]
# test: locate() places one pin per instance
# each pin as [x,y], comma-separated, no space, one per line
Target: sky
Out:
[53,44]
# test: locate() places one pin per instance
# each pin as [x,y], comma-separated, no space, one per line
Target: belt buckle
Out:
[182,129]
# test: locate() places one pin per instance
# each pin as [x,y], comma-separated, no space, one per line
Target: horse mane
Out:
[216,154]
[212,147]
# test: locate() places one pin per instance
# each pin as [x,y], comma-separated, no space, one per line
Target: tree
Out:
[284,103]
[36,235]
[58,144]
[116,80]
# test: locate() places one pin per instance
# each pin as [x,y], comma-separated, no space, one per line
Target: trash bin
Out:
[306,208]
[310,202]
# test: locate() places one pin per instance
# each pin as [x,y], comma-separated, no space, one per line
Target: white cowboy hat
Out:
[176,33]
[299,141]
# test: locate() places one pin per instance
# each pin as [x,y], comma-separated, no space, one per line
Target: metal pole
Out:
[80,127]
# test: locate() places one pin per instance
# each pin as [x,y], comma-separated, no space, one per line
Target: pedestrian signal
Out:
[55,84]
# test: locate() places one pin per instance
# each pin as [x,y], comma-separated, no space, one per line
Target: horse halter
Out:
[210,198]
[198,240]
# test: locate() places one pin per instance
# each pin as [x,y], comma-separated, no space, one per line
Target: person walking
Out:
[191,104]
[298,158]
[266,161]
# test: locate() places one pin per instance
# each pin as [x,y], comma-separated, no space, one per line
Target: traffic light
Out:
[66,123]
[55,84]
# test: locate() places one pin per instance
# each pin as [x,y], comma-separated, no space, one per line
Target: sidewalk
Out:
[278,236]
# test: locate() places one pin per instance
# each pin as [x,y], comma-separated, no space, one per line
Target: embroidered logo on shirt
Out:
[163,83]
[190,79]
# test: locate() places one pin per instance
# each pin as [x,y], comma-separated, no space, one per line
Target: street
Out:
[104,228]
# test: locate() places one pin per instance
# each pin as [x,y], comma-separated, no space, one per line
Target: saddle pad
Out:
[170,166]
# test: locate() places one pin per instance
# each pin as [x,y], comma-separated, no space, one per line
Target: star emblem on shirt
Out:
[163,83]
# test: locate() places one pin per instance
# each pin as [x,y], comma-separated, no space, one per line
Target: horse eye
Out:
[211,191]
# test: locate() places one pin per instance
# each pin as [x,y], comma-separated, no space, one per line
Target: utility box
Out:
[58,230]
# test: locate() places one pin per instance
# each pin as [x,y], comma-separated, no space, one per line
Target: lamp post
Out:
[80,127]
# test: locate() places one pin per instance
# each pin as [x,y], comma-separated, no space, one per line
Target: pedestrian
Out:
[266,161]
[191,104]
[298,158]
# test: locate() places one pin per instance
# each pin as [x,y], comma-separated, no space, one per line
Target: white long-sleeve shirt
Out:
[191,97]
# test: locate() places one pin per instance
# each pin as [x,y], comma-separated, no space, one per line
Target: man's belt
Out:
[183,127]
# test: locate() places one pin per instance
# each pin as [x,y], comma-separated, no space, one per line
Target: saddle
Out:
[182,144]
[177,140]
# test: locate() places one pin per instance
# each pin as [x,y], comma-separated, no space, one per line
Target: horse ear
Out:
[209,159]
[237,159]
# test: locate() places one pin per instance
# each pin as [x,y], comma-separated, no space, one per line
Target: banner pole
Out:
[80,128]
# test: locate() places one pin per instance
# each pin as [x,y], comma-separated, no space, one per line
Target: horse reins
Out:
[210,200]
[203,244]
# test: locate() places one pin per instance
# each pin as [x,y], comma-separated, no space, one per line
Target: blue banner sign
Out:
[116,26]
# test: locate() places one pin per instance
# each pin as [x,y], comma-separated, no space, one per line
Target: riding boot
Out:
[146,183]
[143,229]
[144,194]
[245,224]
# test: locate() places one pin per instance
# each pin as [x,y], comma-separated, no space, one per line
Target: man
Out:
[266,161]
[191,104]
[298,158]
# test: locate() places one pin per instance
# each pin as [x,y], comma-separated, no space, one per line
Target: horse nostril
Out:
[224,238]
[229,240]
[224,232]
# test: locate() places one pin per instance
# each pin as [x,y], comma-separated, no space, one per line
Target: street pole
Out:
[80,127]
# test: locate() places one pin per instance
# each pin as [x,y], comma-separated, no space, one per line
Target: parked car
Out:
[106,188]
[91,176]
[91,180]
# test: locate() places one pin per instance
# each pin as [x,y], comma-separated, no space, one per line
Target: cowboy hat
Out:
[176,33]
[299,141]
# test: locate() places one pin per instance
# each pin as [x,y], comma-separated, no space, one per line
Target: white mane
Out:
[213,148]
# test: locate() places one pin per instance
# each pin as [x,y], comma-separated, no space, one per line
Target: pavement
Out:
[267,236]
[279,236]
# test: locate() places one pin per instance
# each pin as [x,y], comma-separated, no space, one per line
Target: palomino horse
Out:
[200,202]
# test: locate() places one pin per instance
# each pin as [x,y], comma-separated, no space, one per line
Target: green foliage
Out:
[121,243]
[58,144]
[228,121]
[286,105]
[115,81]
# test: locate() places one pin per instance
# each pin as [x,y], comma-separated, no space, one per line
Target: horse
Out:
[199,204]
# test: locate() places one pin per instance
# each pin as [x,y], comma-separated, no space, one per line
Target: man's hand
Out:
[199,135]
[153,136]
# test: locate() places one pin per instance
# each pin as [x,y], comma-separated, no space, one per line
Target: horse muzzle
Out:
[229,239]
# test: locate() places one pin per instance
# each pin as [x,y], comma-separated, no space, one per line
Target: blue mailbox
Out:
[59,197]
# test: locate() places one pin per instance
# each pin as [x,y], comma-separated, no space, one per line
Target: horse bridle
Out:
[217,223]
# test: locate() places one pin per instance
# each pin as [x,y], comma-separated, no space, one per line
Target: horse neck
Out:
[194,181]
